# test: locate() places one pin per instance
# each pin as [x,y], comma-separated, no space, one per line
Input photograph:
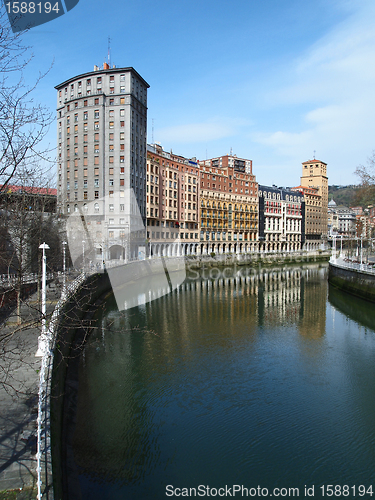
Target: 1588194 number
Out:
[335,490]
[31,7]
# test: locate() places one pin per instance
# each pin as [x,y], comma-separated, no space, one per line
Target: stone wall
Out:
[359,283]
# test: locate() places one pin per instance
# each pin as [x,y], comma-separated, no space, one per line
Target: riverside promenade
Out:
[19,377]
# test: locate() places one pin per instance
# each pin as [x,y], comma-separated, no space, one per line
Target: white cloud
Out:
[336,80]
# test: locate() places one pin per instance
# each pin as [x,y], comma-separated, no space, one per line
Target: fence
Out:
[354,265]
[43,437]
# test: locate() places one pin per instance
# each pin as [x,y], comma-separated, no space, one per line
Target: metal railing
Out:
[352,264]
[12,279]
[43,423]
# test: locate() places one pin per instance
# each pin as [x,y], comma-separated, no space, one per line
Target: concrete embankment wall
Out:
[74,326]
[255,259]
[355,282]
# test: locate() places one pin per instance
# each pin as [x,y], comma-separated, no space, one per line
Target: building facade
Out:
[102,123]
[313,216]
[228,205]
[281,219]
[172,203]
[314,175]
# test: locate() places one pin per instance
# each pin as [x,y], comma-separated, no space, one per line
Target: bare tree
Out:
[28,219]
[365,194]
[23,123]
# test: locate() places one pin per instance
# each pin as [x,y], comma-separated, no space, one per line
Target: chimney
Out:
[105,66]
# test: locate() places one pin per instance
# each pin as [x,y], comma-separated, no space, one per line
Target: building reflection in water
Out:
[129,351]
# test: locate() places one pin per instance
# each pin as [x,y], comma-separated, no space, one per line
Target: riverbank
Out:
[256,259]
[355,281]
[19,398]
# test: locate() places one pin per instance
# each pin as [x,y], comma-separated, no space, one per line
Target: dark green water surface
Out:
[256,379]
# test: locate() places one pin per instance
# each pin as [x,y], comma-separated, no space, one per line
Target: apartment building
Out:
[314,175]
[313,216]
[228,205]
[101,125]
[172,203]
[281,219]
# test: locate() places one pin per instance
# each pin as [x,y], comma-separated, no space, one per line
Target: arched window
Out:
[96,207]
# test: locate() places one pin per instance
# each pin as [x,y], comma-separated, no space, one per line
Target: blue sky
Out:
[273,80]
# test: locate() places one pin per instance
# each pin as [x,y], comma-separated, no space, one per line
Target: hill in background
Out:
[343,195]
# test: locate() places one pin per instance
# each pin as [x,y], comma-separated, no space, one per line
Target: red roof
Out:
[9,188]
[314,161]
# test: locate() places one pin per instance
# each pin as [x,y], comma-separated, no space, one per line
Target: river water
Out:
[252,378]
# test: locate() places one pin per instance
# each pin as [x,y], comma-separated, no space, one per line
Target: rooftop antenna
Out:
[152,132]
[314,154]
[231,151]
[109,52]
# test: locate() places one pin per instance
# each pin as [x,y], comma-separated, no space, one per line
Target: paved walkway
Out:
[19,379]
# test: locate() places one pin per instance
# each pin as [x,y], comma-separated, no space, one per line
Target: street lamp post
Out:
[83,256]
[64,270]
[42,340]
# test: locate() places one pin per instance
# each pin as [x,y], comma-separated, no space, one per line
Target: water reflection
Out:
[236,376]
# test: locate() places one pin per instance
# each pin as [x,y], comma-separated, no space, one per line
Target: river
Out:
[260,379]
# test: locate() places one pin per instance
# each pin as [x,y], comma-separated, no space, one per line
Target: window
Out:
[122,112]
[96,207]
[85,138]
[122,100]
[85,102]
[96,113]
[96,183]
[96,101]
[122,159]
[96,195]
[111,171]
[111,159]
[85,172]
[111,136]
[96,160]
[122,182]
[111,182]
[111,194]
[85,194]
[111,208]
[96,125]
[122,136]
[111,124]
